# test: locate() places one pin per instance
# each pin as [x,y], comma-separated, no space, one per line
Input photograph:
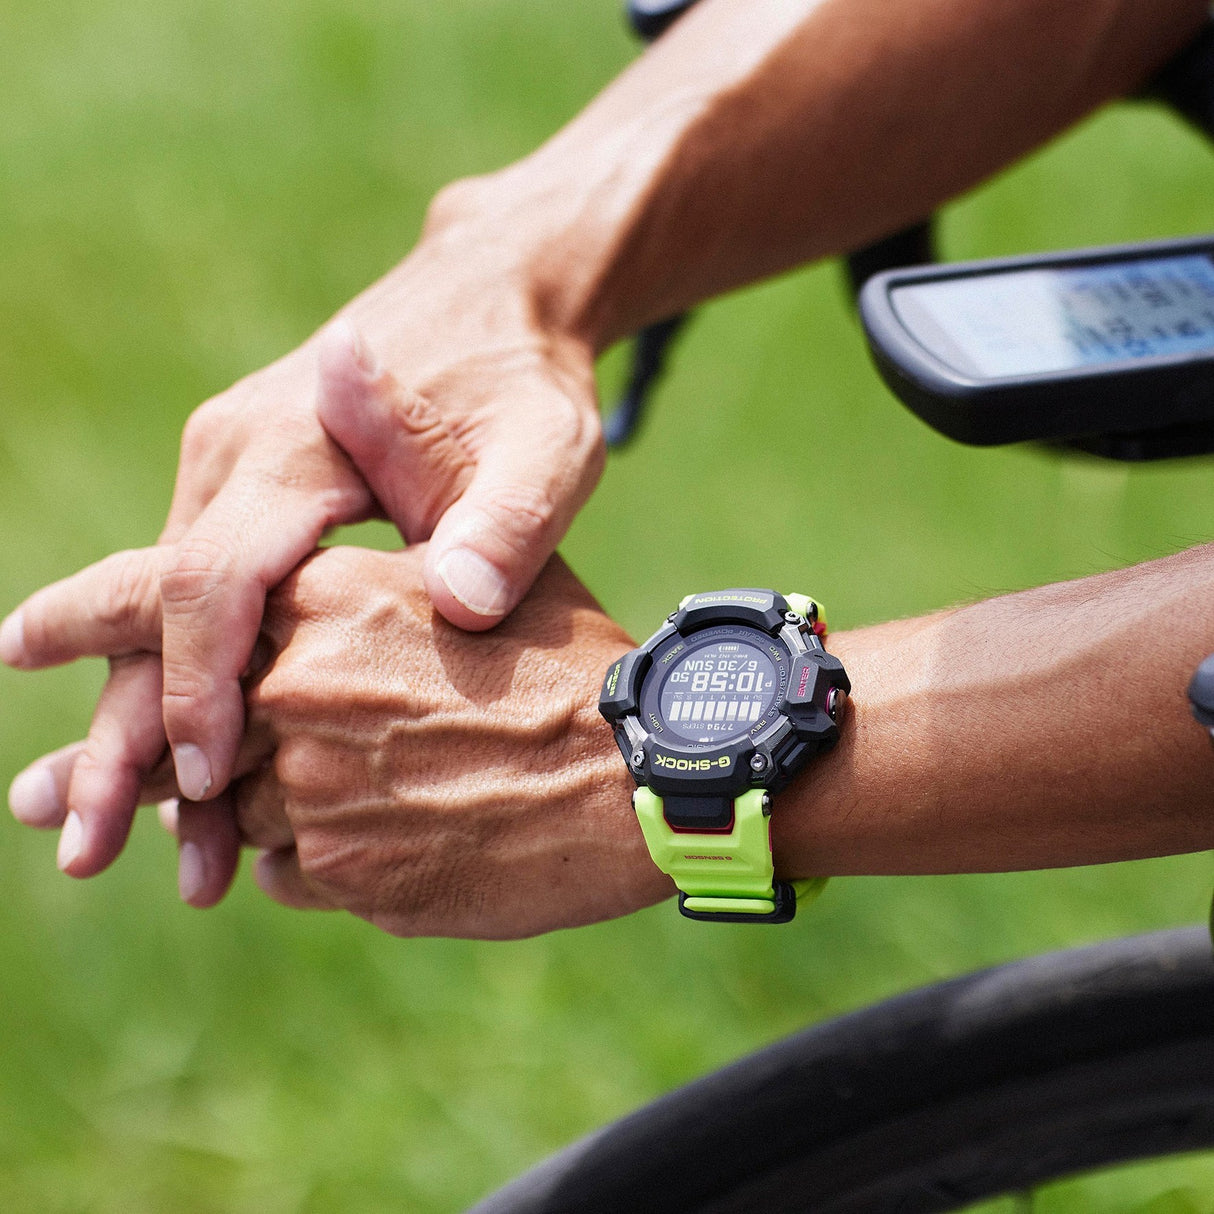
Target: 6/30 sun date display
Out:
[718,691]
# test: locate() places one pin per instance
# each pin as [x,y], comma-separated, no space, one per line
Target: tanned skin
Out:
[456,397]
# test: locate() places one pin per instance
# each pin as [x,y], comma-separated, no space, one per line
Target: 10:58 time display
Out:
[718,690]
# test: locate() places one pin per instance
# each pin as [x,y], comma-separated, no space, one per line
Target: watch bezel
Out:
[795,727]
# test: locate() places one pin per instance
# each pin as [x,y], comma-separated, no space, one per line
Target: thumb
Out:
[492,542]
[492,521]
[398,440]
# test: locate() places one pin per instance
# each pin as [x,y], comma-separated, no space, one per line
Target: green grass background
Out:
[187,190]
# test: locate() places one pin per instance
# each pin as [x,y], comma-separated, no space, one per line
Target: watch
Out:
[714,715]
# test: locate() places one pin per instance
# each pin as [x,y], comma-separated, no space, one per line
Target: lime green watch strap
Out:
[720,872]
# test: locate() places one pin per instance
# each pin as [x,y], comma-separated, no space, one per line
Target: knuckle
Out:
[196,574]
[260,822]
[520,513]
[452,203]
[184,701]
[302,763]
[196,702]
[594,455]
[414,414]
[591,445]
[130,592]
[208,425]
[337,865]
[37,635]
[325,860]
[195,436]
[577,430]
[292,694]
[354,868]
[331,494]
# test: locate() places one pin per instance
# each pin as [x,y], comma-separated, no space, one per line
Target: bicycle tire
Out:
[983,1085]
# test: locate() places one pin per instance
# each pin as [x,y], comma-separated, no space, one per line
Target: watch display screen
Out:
[717,691]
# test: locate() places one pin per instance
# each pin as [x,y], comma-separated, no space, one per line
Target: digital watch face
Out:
[716,686]
[1030,322]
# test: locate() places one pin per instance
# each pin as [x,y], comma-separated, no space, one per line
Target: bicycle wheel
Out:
[979,1086]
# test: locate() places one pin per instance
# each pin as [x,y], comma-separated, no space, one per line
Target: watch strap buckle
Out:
[780,908]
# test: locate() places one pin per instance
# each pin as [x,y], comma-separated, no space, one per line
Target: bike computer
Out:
[1110,347]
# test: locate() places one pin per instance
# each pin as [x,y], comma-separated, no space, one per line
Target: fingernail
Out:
[193,771]
[33,797]
[12,639]
[191,871]
[474,582]
[71,841]
[166,811]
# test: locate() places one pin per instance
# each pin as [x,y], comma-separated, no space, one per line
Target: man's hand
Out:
[431,781]
[436,399]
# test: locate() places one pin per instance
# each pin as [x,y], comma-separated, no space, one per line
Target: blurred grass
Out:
[187,190]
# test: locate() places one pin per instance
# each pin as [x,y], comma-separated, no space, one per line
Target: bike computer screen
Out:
[1096,342]
[1031,322]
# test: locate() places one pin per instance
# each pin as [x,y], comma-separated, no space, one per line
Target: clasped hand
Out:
[436,399]
[429,780]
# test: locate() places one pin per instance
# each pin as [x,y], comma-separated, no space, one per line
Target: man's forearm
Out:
[760,134]
[1040,729]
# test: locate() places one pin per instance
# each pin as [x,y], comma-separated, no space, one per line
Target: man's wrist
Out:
[545,233]
[487,257]
[701,167]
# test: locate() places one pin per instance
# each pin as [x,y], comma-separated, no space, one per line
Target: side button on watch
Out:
[714,715]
